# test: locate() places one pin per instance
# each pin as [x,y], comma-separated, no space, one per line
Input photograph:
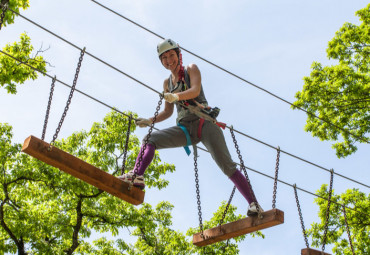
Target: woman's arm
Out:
[195,81]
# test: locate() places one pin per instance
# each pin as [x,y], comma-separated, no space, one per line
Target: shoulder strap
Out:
[187,77]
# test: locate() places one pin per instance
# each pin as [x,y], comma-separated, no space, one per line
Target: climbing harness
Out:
[188,140]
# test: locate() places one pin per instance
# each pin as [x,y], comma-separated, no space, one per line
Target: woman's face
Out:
[170,60]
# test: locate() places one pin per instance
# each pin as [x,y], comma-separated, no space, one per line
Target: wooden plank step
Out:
[310,251]
[76,167]
[240,227]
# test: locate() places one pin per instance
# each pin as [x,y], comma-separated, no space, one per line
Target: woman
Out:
[184,87]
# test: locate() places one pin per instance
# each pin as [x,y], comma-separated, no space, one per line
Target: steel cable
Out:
[237,76]
[159,93]
[115,109]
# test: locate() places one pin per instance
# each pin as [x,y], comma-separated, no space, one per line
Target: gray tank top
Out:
[182,113]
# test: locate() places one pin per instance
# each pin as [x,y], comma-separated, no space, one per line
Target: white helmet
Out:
[166,45]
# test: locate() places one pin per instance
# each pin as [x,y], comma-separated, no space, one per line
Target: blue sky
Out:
[270,43]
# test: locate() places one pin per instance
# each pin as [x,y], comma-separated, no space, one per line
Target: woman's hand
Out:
[141,122]
[171,97]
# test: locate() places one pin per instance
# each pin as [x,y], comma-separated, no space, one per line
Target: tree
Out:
[340,93]
[45,211]
[14,5]
[358,221]
[11,71]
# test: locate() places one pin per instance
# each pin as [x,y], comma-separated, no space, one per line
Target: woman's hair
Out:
[181,70]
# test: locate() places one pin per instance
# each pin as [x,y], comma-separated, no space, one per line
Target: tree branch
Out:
[76,228]
[18,243]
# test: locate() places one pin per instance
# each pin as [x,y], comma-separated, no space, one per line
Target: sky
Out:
[269,43]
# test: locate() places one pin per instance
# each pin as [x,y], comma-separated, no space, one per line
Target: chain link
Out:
[48,108]
[126,144]
[227,206]
[69,98]
[197,190]
[276,178]
[146,141]
[347,227]
[328,210]
[300,216]
[244,170]
[4,8]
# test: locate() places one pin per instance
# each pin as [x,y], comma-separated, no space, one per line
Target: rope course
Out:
[240,227]
[211,239]
[83,51]
[237,76]
[159,93]
[72,165]
[113,108]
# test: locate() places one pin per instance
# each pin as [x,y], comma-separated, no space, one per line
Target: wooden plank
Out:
[240,227]
[310,251]
[82,170]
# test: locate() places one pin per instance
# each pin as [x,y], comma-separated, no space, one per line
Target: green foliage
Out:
[226,247]
[15,5]
[340,93]
[358,221]
[12,72]
[45,211]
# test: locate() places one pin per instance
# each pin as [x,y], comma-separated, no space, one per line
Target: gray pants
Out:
[212,138]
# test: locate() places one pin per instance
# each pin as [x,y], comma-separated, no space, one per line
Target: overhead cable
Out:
[238,77]
[159,93]
[127,115]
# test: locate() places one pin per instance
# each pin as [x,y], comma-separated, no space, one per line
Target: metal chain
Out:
[347,227]
[126,144]
[227,206]
[300,216]
[48,108]
[198,192]
[69,98]
[328,210]
[244,170]
[137,165]
[4,8]
[276,177]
